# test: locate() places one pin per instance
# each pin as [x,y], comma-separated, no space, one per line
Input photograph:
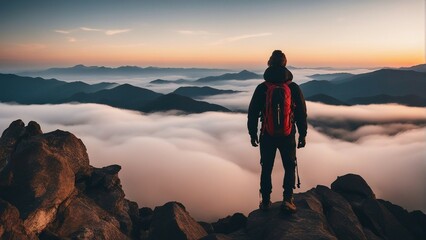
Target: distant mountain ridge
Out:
[389,82]
[193,91]
[27,90]
[82,70]
[322,98]
[417,68]
[243,75]
[331,76]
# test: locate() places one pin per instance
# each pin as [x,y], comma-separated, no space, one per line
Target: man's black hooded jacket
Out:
[277,74]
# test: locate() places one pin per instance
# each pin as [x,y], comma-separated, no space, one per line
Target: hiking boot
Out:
[265,205]
[288,206]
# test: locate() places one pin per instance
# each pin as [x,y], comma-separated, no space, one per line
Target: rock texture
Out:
[48,190]
[172,221]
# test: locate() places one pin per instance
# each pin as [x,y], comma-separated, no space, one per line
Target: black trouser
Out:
[268,149]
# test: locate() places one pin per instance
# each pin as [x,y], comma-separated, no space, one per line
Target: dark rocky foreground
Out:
[48,190]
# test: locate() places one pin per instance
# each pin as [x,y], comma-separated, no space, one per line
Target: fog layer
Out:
[206,161]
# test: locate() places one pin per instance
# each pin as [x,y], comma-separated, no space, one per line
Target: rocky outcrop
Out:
[48,190]
[230,224]
[172,221]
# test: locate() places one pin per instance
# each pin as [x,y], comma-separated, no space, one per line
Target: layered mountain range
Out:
[28,90]
[405,87]
[49,190]
[82,70]
[383,86]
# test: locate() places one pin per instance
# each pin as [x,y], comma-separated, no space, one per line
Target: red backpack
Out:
[278,115]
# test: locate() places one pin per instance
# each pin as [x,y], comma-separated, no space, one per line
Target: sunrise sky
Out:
[199,33]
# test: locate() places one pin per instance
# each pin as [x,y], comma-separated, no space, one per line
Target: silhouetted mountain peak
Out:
[243,75]
[392,82]
[79,66]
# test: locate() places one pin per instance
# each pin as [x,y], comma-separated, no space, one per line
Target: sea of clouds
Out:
[206,161]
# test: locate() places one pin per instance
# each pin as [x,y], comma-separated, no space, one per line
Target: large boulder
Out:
[307,223]
[82,218]
[8,140]
[353,187]
[11,225]
[104,187]
[414,221]
[172,221]
[340,215]
[371,213]
[381,221]
[38,178]
[48,188]
[230,223]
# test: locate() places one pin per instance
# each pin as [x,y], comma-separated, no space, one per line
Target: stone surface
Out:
[216,236]
[11,226]
[82,218]
[230,224]
[48,188]
[37,180]
[172,221]
[380,220]
[415,221]
[353,187]
[307,223]
[8,140]
[340,215]
[145,215]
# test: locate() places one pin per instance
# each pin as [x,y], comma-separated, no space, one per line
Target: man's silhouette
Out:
[277,74]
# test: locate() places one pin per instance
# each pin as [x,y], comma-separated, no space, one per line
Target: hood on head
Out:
[277,74]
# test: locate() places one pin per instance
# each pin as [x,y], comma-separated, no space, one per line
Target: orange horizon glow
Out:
[336,34]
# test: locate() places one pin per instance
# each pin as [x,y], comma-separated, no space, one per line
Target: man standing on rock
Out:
[280,104]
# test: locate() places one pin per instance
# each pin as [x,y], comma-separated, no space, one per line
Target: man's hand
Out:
[302,142]
[254,141]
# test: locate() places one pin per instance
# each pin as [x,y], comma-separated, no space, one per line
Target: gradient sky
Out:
[199,33]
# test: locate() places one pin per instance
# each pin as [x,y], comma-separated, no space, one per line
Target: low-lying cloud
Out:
[206,159]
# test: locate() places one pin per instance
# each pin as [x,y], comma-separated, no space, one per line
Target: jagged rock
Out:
[370,235]
[71,148]
[81,218]
[8,140]
[172,221]
[339,215]
[145,215]
[207,226]
[133,212]
[39,184]
[370,212]
[216,236]
[380,220]
[415,221]
[230,223]
[11,226]
[38,179]
[353,187]
[32,129]
[308,223]
[105,189]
